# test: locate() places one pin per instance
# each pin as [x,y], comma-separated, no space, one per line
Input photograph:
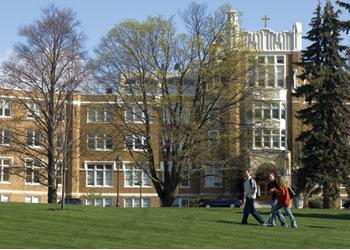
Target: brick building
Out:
[101,170]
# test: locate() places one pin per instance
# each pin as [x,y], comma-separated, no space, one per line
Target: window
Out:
[283,111]
[59,173]
[257,138]
[32,172]
[134,114]
[5,169]
[280,76]
[275,111]
[213,176]
[213,137]
[102,202]
[267,110]
[271,71]
[179,113]
[132,87]
[275,138]
[261,77]
[101,113]
[280,59]
[99,174]
[59,140]
[5,136]
[33,110]
[271,76]
[214,115]
[4,198]
[269,138]
[32,199]
[283,139]
[100,142]
[186,176]
[134,176]
[33,138]
[135,202]
[5,108]
[266,138]
[261,59]
[181,202]
[135,143]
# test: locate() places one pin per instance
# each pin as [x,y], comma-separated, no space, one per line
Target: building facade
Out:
[101,171]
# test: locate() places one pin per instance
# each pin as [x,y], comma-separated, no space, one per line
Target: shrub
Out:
[317,203]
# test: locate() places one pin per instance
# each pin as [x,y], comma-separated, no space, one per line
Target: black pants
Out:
[250,208]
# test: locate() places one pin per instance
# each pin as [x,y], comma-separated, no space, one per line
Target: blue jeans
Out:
[250,208]
[279,214]
[288,211]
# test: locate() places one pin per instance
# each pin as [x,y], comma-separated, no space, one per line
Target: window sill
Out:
[99,122]
[101,150]
[96,186]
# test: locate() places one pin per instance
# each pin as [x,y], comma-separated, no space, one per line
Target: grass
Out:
[44,226]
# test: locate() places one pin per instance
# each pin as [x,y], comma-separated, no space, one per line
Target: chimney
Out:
[109,90]
[233,24]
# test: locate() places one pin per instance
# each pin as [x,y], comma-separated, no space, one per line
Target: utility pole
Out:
[118,161]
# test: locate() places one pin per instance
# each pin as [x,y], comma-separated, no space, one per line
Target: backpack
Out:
[291,193]
[257,187]
[283,196]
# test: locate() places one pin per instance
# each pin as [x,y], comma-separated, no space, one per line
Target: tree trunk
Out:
[326,196]
[52,195]
[168,199]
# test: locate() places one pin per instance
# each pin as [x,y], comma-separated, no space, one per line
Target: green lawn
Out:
[43,226]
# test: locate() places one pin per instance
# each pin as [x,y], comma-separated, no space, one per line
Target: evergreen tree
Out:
[345,24]
[326,152]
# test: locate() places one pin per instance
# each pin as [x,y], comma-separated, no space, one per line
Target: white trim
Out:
[137,194]
[9,191]
[104,162]
[95,102]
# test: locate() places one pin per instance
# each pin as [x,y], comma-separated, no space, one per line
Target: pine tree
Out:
[345,24]
[326,151]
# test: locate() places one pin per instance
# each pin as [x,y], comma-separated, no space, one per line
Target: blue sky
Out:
[98,16]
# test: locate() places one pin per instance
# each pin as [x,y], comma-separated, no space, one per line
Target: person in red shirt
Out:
[283,201]
[272,185]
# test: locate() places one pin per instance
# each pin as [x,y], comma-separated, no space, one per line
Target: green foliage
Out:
[326,153]
[30,226]
[317,203]
[263,172]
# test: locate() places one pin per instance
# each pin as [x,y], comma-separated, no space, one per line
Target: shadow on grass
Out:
[323,227]
[311,215]
[323,216]
[235,222]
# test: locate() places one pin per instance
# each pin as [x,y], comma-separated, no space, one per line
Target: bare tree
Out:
[173,90]
[46,68]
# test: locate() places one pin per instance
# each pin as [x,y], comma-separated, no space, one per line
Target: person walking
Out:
[272,186]
[250,190]
[283,201]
